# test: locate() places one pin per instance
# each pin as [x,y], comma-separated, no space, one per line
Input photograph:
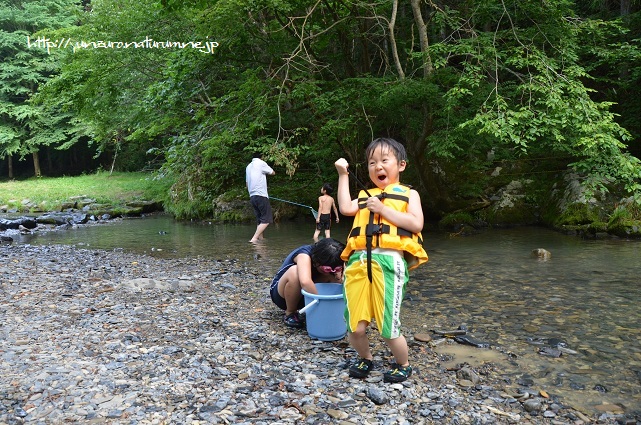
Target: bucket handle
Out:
[308,306]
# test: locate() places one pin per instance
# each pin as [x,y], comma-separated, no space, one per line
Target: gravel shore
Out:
[109,337]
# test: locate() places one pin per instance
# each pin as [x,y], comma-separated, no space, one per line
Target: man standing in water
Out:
[256,178]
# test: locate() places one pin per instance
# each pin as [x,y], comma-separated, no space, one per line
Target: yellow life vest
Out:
[373,231]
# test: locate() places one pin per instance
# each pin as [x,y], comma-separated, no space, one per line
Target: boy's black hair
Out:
[384,142]
[327,252]
[328,188]
[257,155]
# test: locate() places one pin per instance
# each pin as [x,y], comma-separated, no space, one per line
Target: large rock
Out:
[15,223]
[60,218]
[510,205]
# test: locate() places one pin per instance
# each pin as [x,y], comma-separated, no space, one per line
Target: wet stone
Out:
[423,337]
[377,396]
[549,352]
[468,374]
[532,405]
[525,381]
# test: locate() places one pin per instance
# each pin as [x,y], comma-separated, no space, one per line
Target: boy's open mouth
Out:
[381,178]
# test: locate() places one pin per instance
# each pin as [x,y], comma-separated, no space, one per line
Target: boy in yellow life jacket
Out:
[384,244]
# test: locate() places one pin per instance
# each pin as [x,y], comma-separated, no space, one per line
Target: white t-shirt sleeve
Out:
[267,169]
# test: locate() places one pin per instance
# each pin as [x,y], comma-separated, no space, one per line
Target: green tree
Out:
[536,102]
[27,61]
[308,81]
[612,54]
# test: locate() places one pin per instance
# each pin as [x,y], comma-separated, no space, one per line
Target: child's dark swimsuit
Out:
[324,222]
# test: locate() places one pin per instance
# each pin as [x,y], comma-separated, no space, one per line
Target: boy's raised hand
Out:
[341,166]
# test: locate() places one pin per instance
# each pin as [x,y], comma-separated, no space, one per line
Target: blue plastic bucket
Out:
[325,312]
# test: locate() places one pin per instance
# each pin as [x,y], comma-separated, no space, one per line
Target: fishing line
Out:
[314,212]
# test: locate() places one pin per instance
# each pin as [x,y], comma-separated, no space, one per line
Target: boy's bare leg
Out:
[399,349]
[358,340]
[327,233]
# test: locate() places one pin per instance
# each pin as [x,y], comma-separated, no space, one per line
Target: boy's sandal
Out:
[397,373]
[360,368]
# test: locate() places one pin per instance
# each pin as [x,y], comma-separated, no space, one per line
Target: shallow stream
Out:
[587,295]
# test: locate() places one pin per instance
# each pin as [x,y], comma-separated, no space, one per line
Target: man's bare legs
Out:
[259,232]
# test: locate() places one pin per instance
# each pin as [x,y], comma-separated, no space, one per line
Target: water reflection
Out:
[587,294]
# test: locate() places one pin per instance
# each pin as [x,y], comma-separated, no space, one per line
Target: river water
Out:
[586,295]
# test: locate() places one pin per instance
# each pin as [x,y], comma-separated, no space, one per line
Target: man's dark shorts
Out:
[262,209]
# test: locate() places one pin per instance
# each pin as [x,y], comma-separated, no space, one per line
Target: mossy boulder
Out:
[145,207]
[572,209]
[461,223]
[626,229]
[456,220]
[227,209]
[234,210]
[578,214]
[625,220]
[512,206]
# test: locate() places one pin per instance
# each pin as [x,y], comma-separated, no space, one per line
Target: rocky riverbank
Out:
[77,211]
[107,337]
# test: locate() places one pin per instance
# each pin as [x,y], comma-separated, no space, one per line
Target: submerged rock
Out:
[550,352]
[541,254]
[469,340]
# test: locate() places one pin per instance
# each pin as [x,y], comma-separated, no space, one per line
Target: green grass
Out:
[115,189]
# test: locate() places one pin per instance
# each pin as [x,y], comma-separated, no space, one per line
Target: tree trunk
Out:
[392,38]
[422,36]
[49,161]
[36,164]
[625,7]
[624,72]
[10,165]
[113,163]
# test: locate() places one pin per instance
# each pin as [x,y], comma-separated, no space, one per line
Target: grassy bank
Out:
[114,189]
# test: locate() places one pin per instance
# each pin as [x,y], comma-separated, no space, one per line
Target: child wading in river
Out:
[384,244]
[325,206]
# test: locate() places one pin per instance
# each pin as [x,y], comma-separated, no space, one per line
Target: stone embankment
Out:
[75,212]
[83,204]
[105,337]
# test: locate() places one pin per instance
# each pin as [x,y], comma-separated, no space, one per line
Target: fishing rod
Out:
[360,183]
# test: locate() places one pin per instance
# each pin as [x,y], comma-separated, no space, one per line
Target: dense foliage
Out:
[535,88]
[26,63]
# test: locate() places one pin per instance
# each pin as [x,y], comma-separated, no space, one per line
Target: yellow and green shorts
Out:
[381,299]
